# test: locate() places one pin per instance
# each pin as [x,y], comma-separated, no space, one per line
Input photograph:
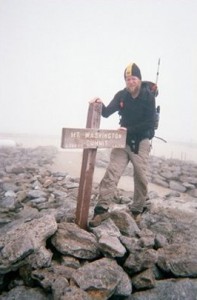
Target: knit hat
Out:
[132,70]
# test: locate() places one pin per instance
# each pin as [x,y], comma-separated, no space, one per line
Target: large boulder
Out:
[102,279]
[26,239]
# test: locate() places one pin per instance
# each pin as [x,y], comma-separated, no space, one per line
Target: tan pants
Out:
[119,159]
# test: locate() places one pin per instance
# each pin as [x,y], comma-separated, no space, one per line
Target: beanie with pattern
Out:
[132,70]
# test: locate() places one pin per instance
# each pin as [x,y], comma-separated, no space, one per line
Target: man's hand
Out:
[96,100]
[122,128]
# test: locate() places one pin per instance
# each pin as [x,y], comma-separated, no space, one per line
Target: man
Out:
[136,106]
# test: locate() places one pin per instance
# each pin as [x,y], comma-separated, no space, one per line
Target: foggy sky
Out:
[56,55]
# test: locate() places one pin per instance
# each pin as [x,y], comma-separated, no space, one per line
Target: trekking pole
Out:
[158,107]
[157,75]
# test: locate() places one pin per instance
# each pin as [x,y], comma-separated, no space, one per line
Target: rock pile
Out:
[45,255]
[177,175]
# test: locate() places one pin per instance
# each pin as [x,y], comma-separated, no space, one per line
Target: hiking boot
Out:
[98,219]
[101,209]
[146,209]
[133,210]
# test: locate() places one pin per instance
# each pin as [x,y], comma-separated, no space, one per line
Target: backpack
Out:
[152,87]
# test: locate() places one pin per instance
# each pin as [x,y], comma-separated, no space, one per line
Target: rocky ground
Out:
[45,255]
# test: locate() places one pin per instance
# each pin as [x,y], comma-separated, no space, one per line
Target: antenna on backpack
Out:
[158,107]
[157,75]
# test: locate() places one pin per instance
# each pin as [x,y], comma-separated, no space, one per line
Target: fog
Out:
[56,55]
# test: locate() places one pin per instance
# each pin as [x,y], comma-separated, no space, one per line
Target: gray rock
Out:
[24,240]
[147,238]
[168,174]
[179,289]
[188,178]
[160,241]
[176,224]
[58,287]
[40,258]
[124,222]
[172,194]
[103,278]
[132,244]
[72,240]
[15,169]
[10,194]
[176,186]
[193,193]
[144,280]
[36,201]
[178,260]
[46,277]
[74,293]
[189,186]
[8,203]
[160,182]
[36,194]
[25,293]
[153,195]
[70,261]
[72,185]
[139,261]
[10,186]
[107,227]
[111,246]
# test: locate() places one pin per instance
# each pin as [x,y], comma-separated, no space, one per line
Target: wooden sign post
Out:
[90,139]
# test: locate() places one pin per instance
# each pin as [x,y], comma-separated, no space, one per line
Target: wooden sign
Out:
[92,138]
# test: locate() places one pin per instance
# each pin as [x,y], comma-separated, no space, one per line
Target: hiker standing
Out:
[136,107]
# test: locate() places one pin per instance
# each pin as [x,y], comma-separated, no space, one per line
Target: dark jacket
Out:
[137,115]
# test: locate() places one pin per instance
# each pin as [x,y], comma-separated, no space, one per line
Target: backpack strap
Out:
[152,87]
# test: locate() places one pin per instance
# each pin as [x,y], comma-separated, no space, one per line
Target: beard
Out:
[133,89]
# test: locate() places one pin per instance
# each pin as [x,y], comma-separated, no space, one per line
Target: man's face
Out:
[133,83]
